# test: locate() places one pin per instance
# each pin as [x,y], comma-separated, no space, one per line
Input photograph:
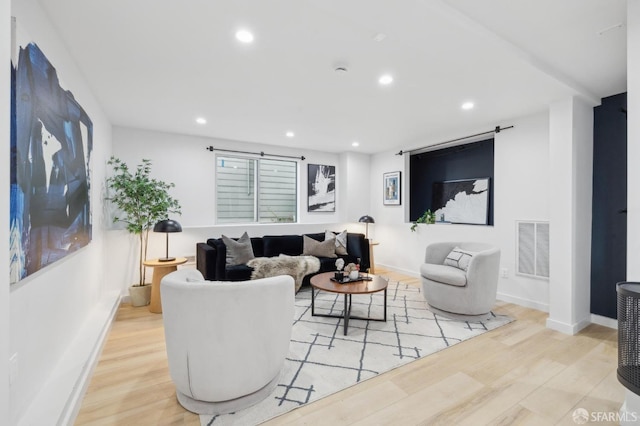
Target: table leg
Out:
[158,273]
[346,315]
[313,301]
[385,305]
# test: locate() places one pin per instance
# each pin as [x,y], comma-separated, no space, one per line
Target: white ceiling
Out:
[158,65]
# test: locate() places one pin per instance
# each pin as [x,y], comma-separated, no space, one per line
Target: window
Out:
[256,190]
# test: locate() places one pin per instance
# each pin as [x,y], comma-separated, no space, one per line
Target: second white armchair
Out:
[462,281]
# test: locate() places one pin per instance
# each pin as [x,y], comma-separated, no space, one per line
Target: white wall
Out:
[5,53]
[184,160]
[58,314]
[521,193]
[632,401]
[356,186]
[633,140]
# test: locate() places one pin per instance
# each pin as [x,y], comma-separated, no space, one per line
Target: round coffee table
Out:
[323,282]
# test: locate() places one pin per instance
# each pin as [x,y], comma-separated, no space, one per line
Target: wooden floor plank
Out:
[520,374]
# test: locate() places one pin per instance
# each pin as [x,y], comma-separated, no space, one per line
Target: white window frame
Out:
[256,185]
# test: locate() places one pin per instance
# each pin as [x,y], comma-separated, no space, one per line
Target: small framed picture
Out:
[391,189]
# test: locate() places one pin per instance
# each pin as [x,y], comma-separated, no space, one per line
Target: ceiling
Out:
[160,64]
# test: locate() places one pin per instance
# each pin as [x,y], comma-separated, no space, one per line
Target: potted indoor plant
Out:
[141,202]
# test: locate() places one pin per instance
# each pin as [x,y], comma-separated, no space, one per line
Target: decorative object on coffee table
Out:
[167,226]
[339,275]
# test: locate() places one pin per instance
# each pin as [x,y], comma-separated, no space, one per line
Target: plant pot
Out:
[354,275]
[140,294]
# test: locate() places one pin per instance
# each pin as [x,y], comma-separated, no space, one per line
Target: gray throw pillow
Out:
[311,247]
[340,239]
[238,252]
[459,258]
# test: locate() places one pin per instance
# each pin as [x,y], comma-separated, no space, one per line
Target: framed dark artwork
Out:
[321,188]
[51,143]
[461,201]
[391,189]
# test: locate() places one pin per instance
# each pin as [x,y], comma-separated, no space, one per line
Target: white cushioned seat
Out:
[226,341]
[444,274]
[470,292]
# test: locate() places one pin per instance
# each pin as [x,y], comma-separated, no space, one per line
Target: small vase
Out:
[339,276]
[354,275]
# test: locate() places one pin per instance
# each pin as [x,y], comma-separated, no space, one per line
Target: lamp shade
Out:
[167,225]
[366,219]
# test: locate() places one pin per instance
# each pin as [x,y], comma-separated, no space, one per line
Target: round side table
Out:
[160,269]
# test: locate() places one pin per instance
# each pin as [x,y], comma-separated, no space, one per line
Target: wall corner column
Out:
[571,168]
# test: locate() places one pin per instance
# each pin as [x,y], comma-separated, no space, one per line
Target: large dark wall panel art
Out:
[462,201]
[51,143]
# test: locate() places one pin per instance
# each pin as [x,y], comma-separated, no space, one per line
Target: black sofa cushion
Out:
[274,245]
[238,273]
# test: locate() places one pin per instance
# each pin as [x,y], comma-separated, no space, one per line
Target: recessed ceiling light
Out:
[244,36]
[385,79]
[379,37]
[355,144]
[467,105]
[290,134]
[201,120]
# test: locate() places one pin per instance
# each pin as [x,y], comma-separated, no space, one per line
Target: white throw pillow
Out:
[341,241]
[459,258]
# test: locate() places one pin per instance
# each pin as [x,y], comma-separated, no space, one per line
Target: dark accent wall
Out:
[609,226]
[474,160]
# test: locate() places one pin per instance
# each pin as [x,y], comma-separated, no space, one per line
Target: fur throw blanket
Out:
[294,266]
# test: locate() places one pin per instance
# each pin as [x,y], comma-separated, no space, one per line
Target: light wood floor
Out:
[519,374]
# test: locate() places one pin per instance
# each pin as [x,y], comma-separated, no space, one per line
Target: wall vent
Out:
[532,248]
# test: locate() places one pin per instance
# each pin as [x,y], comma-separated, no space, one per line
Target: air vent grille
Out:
[533,249]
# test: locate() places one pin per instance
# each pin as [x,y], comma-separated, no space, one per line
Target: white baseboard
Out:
[566,328]
[411,273]
[544,307]
[61,396]
[605,321]
[72,408]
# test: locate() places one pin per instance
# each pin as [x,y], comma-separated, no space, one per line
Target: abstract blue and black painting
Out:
[51,143]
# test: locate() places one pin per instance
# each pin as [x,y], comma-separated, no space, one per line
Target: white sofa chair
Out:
[226,341]
[450,289]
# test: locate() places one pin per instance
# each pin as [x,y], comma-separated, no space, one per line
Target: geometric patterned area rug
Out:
[323,361]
